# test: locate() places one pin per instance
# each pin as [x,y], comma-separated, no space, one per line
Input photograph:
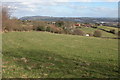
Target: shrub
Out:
[90,34]
[67,31]
[27,28]
[94,26]
[41,28]
[78,32]
[57,30]
[112,31]
[97,33]
[97,24]
[59,23]
[61,31]
[48,29]
[119,34]
[39,25]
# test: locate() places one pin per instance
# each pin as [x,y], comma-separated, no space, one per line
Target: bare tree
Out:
[6,23]
[0,17]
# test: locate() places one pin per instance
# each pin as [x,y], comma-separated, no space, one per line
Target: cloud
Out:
[28,4]
[112,0]
[63,9]
[61,1]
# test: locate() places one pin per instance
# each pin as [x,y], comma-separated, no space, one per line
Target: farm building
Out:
[77,25]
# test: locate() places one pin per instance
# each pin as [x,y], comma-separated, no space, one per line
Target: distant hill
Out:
[75,19]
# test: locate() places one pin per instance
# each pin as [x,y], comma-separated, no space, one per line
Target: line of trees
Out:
[13,24]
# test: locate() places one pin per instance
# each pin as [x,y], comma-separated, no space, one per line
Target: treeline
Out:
[13,24]
[10,23]
[62,27]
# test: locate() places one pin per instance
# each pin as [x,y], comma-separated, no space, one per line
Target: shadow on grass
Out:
[54,65]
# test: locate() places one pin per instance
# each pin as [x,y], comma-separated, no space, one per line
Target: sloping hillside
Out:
[47,55]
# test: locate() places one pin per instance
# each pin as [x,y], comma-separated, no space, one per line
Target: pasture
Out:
[104,34]
[49,55]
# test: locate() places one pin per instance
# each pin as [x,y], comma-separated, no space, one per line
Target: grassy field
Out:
[104,34]
[47,55]
[108,28]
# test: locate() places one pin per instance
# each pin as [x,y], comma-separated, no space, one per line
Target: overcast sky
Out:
[64,8]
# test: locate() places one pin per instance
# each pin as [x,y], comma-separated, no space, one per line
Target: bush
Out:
[48,29]
[41,28]
[90,34]
[59,23]
[112,31]
[119,34]
[61,31]
[39,25]
[94,26]
[78,32]
[67,31]
[57,30]
[97,33]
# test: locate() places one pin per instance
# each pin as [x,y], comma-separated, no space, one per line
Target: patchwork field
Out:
[104,34]
[48,55]
[108,28]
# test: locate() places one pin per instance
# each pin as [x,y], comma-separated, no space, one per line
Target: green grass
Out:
[108,28]
[47,55]
[104,34]
[88,30]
